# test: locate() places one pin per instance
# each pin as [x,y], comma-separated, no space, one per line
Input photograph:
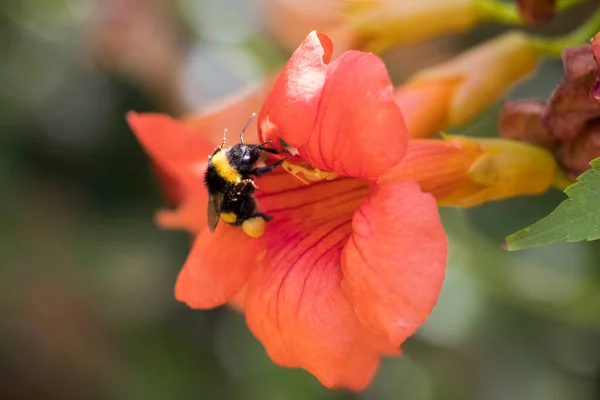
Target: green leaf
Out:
[574,220]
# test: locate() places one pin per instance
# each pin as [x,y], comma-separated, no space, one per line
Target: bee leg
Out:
[269,150]
[264,216]
[221,146]
[266,169]
[249,181]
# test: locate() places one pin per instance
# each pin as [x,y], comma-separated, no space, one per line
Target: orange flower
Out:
[348,268]
[450,93]
[353,260]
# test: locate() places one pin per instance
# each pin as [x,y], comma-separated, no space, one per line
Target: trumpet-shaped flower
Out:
[466,172]
[348,268]
[354,258]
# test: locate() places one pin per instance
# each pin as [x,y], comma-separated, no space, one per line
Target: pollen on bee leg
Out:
[308,171]
[254,227]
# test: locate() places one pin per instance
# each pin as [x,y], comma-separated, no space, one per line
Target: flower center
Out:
[304,171]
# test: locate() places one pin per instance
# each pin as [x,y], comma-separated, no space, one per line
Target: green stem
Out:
[494,10]
[554,47]
[562,5]
[508,13]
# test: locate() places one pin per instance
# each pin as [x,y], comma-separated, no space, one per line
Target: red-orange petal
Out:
[395,262]
[174,146]
[294,303]
[232,113]
[217,267]
[360,130]
[291,108]
[238,301]
[364,361]
[190,215]
[295,306]
[379,344]
[339,114]
[172,191]
[359,369]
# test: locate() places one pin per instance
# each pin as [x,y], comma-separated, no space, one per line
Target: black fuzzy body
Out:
[230,194]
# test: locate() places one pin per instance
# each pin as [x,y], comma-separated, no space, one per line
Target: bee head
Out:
[244,156]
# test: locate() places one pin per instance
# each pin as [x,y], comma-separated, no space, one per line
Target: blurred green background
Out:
[87,306]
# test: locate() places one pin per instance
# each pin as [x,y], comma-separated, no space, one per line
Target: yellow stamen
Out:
[311,173]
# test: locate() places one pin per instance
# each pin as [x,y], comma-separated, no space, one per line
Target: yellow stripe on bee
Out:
[224,169]
[230,218]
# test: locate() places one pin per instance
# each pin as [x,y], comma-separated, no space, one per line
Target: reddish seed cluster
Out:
[569,122]
[595,50]
[536,12]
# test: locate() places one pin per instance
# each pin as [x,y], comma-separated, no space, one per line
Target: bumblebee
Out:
[230,185]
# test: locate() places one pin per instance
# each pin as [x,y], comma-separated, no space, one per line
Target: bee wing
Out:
[214,210]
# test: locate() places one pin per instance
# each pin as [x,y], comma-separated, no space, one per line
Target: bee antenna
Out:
[246,127]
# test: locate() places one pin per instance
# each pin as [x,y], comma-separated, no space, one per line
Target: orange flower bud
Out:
[481,74]
[383,23]
[466,172]
[507,169]
[425,106]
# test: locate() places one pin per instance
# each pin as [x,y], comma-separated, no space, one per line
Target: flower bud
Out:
[382,23]
[466,172]
[481,74]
